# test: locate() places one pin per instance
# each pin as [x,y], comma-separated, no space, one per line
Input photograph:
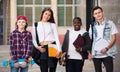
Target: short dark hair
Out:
[51,18]
[78,18]
[95,8]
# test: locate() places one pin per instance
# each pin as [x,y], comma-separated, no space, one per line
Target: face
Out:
[76,24]
[98,14]
[46,16]
[21,24]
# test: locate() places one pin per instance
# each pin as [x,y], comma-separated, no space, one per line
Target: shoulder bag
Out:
[36,53]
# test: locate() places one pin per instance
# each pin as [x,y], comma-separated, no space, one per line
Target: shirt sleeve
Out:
[12,48]
[56,37]
[29,47]
[90,32]
[113,29]
[34,36]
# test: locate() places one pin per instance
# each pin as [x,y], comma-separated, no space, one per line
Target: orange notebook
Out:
[52,50]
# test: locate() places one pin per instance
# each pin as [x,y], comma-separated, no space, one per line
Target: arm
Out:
[114,31]
[29,47]
[64,49]
[56,37]
[110,44]
[12,49]
[34,36]
[87,46]
[112,41]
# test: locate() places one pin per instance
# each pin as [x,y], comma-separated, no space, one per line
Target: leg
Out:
[24,69]
[44,65]
[53,69]
[70,65]
[97,64]
[108,63]
[79,65]
[13,69]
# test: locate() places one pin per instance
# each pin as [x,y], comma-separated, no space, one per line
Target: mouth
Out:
[77,26]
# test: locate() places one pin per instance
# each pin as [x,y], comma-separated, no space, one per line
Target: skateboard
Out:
[10,63]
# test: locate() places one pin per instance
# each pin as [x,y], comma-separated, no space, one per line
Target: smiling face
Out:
[77,24]
[46,16]
[21,24]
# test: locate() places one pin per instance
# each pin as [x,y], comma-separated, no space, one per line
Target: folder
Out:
[52,50]
[79,41]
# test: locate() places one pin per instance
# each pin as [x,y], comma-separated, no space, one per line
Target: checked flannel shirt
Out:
[20,45]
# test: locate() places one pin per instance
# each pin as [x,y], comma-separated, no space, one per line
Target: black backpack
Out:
[36,53]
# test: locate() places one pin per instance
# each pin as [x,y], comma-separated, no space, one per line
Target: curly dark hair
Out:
[78,18]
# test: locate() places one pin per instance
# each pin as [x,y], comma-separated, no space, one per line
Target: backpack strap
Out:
[37,40]
[92,31]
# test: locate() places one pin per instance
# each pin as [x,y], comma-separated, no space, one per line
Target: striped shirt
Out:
[20,45]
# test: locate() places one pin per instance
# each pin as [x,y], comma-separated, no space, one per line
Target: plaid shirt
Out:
[20,45]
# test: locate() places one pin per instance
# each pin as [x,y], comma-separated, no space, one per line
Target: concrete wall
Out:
[112,11]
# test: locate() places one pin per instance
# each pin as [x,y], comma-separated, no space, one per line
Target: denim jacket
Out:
[106,35]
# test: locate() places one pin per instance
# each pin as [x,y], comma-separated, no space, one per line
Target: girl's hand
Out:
[62,59]
[63,55]
[16,65]
[42,50]
[24,64]
[58,55]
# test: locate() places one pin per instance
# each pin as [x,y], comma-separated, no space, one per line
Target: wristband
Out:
[107,48]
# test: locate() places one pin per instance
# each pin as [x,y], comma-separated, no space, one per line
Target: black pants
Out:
[107,61]
[73,65]
[44,65]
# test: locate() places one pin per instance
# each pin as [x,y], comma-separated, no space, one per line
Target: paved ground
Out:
[4,54]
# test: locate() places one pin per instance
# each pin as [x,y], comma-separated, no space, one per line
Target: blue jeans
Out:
[13,69]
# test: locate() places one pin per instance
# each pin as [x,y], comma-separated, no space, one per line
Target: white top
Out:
[100,29]
[73,54]
[100,42]
[46,32]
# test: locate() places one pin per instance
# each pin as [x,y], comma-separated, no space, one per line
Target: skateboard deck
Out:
[10,63]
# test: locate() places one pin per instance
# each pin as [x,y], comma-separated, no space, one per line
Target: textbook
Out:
[52,50]
[79,42]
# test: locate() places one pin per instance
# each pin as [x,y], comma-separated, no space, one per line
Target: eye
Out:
[45,13]
[95,13]
[23,22]
[19,22]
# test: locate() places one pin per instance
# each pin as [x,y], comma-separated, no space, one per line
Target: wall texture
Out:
[112,11]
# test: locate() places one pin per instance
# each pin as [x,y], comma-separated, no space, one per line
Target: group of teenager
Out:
[99,43]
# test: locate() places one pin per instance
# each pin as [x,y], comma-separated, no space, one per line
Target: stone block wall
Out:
[112,11]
